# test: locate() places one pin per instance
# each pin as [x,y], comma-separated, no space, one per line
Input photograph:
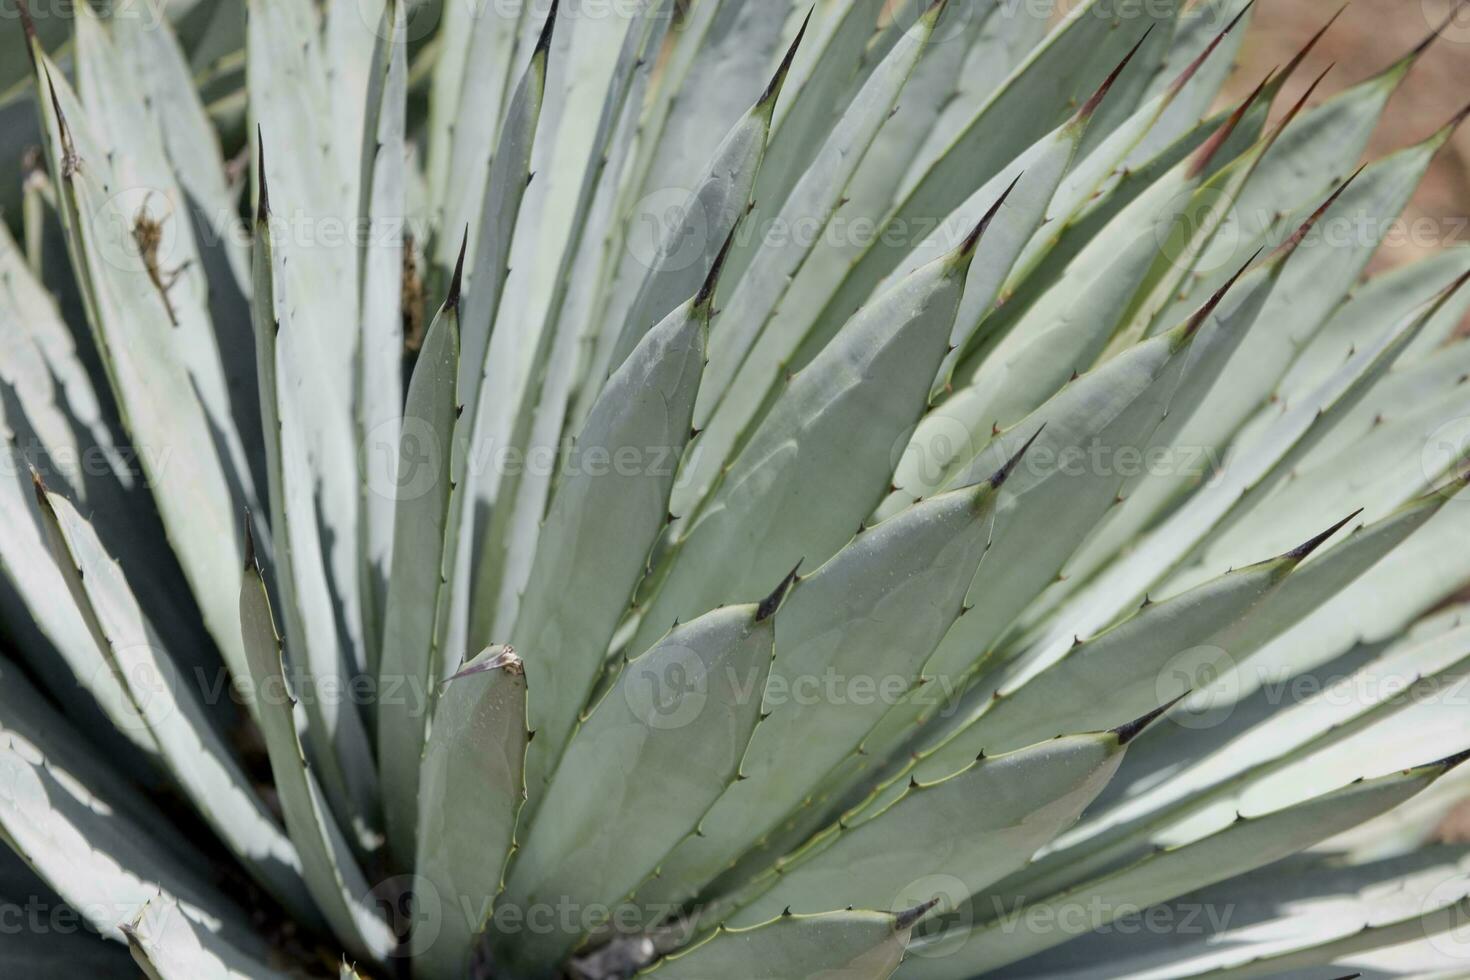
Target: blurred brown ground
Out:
[1369,36]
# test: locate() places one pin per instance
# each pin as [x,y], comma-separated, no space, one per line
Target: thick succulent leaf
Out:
[694,232]
[604,519]
[466,103]
[101,862]
[821,460]
[1312,156]
[726,51]
[1010,806]
[1245,478]
[191,749]
[592,65]
[1320,271]
[167,945]
[341,752]
[408,667]
[1390,468]
[88,686]
[1293,737]
[1213,32]
[587,267]
[1419,395]
[1040,171]
[834,284]
[722,197]
[290,96]
[1060,72]
[654,754]
[1207,653]
[151,382]
[837,945]
[144,188]
[813,199]
[1091,199]
[1247,844]
[1388,931]
[357,37]
[1328,575]
[977,50]
[27,715]
[471,790]
[530,411]
[488,354]
[1122,672]
[869,616]
[382,209]
[1059,338]
[828,72]
[1309,909]
[1385,298]
[48,379]
[1119,405]
[336,883]
[191,143]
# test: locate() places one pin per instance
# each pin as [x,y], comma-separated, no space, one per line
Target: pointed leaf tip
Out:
[1300,552]
[966,250]
[1434,35]
[1128,732]
[250,561]
[1203,313]
[1194,66]
[1455,286]
[263,206]
[772,602]
[1300,235]
[1090,106]
[1218,138]
[906,919]
[451,301]
[29,26]
[38,484]
[1301,55]
[999,477]
[1451,761]
[704,300]
[1455,121]
[1301,104]
[778,80]
[543,42]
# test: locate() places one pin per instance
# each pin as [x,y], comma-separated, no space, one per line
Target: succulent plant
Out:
[722,489]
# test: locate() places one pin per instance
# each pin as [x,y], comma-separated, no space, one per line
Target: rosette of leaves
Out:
[725,489]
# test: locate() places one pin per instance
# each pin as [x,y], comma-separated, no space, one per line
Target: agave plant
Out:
[723,489]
